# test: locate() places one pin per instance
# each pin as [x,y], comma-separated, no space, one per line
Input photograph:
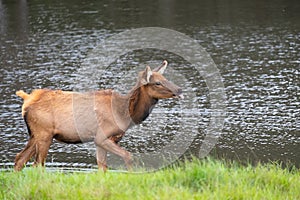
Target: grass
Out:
[198,179]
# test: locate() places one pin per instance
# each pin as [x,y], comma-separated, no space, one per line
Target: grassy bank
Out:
[192,180]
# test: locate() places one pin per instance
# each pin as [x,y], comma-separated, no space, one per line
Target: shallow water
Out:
[254,45]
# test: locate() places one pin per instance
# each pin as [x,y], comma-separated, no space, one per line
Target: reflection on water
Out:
[255,46]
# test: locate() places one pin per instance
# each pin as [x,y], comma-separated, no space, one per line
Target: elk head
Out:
[157,86]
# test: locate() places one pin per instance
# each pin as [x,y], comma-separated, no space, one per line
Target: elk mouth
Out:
[179,95]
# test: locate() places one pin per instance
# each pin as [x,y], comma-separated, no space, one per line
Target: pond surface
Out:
[255,45]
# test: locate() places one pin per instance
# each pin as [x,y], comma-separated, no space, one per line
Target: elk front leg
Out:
[101,158]
[112,147]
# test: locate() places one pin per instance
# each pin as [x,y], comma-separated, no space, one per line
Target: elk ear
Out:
[161,69]
[146,75]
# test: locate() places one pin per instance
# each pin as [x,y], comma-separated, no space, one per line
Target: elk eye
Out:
[158,83]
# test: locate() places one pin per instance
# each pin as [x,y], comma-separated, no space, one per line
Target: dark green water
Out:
[255,45]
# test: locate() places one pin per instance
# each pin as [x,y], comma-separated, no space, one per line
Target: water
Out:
[254,44]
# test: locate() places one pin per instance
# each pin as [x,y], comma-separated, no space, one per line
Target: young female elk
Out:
[102,116]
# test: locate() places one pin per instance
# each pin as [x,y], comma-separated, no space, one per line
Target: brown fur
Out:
[102,116]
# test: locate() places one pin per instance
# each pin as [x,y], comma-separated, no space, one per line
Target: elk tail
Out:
[22,94]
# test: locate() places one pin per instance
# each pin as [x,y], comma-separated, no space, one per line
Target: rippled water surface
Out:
[255,45]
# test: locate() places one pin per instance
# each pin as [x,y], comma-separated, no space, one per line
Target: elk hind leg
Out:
[43,145]
[24,156]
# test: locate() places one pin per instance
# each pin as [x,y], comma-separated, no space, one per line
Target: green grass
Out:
[206,179]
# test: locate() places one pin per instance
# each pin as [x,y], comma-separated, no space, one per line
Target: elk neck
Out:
[140,104]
